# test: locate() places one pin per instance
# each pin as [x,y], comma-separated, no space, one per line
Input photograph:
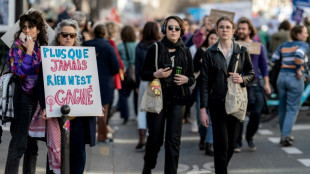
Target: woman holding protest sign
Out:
[23,61]
[82,129]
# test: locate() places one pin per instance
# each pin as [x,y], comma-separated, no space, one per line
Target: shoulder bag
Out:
[152,100]
[236,100]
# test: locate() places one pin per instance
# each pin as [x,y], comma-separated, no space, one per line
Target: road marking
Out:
[209,166]
[301,127]
[135,141]
[305,162]
[274,140]
[292,150]
[265,132]
[182,168]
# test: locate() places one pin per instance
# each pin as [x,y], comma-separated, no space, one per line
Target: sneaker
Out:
[286,141]
[291,138]
[252,145]
[237,148]
[110,130]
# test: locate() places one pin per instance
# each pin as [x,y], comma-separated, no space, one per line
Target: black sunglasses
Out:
[170,27]
[65,35]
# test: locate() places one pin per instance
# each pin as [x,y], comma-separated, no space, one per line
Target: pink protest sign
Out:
[71,78]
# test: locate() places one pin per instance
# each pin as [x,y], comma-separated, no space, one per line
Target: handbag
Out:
[152,100]
[236,100]
[130,77]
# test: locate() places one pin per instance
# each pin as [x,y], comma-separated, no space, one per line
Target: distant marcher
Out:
[127,52]
[108,66]
[150,34]
[256,94]
[206,137]
[81,19]
[217,64]
[167,125]
[290,82]
[23,61]
[67,13]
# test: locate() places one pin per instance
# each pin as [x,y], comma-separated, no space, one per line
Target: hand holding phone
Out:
[22,37]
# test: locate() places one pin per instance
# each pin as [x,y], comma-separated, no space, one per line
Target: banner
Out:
[71,78]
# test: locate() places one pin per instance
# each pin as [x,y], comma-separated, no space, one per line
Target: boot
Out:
[209,150]
[146,170]
[142,133]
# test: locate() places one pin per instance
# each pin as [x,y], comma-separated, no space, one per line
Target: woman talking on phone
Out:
[23,61]
[176,74]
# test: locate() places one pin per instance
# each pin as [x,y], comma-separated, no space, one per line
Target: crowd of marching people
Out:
[193,63]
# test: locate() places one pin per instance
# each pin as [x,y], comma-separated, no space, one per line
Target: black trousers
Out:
[21,144]
[225,131]
[171,116]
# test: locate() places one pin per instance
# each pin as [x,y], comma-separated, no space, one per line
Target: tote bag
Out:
[152,100]
[236,100]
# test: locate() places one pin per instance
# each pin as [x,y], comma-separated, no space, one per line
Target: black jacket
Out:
[107,65]
[175,94]
[214,73]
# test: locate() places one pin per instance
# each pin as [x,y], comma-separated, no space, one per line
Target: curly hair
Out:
[34,19]
[111,28]
[244,20]
[67,22]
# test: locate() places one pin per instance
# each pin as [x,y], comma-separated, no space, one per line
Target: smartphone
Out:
[22,37]
[166,65]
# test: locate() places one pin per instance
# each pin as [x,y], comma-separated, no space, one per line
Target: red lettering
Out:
[60,103]
[55,65]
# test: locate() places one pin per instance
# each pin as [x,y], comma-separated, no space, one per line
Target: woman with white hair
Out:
[82,129]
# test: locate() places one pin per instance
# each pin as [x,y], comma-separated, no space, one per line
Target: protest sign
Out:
[71,78]
[252,47]
[216,14]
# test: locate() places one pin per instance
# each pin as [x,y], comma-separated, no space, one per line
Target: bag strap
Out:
[238,56]
[127,54]
[156,56]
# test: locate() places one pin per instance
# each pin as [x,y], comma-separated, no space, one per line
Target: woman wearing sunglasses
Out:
[23,61]
[82,129]
[176,74]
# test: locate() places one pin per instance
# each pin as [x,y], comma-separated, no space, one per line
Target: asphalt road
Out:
[120,156]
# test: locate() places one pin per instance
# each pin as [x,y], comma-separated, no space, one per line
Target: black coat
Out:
[108,66]
[141,51]
[214,73]
[174,94]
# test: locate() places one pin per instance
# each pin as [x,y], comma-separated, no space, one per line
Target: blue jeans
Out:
[290,92]
[205,132]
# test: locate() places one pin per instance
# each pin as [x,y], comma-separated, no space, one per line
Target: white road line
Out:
[292,150]
[274,140]
[134,141]
[301,127]
[305,162]
[265,132]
